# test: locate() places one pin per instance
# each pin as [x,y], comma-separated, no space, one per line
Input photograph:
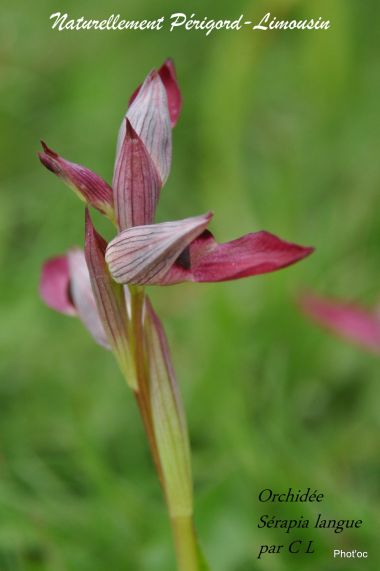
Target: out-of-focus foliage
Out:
[277,133]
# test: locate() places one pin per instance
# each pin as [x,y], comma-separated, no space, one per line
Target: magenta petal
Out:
[168,77]
[136,183]
[86,184]
[83,297]
[352,322]
[258,253]
[149,117]
[144,254]
[55,285]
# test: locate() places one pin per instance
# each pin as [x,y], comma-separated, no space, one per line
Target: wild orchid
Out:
[348,320]
[105,286]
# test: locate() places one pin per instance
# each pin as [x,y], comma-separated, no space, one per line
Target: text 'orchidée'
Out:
[288,525]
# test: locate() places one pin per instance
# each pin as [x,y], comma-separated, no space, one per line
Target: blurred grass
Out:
[277,132]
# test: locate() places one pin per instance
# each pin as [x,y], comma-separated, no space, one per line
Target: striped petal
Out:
[86,184]
[168,77]
[257,253]
[149,117]
[348,320]
[110,300]
[136,183]
[144,254]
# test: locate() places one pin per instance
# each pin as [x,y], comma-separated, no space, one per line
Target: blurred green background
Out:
[278,132]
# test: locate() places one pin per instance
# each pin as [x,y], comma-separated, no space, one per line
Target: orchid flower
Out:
[105,285]
[348,320]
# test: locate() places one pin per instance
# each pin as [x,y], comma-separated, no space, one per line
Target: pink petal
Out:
[351,321]
[149,117]
[85,183]
[65,286]
[83,296]
[136,183]
[55,285]
[168,77]
[144,254]
[258,253]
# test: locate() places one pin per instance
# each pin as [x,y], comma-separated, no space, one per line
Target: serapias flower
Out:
[104,285]
[170,252]
[348,320]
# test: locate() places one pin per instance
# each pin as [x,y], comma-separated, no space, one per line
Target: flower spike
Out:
[110,300]
[347,320]
[90,187]
[144,254]
[106,291]
[136,183]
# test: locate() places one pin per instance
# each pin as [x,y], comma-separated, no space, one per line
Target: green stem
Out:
[189,556]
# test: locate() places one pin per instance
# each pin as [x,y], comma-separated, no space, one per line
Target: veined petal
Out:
[348,320]
[168,418]
[149,117]
[55,285]
[258,253]
[144,254]
[90,187]
[136,183]
[168,77]
[83,297]
[110,300]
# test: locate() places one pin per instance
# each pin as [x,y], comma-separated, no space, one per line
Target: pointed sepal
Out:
[253,254]
[87,185]
[136,182]
[168,77]
[149,117]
